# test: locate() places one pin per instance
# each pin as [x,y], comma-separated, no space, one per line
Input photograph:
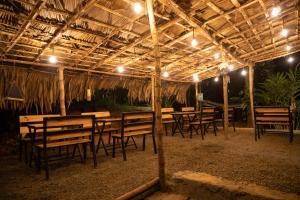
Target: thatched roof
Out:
[98,35]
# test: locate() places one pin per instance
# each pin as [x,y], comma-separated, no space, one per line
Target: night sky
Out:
[214,90]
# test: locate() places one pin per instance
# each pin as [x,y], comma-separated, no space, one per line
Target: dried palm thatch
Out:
[100,35]
[41,88]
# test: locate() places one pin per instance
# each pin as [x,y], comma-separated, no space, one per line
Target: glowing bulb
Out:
[52,59]
[288,48]
[275,11]
[217,55]
[194,42]
[166,74]
[244,72]
[195,77]
[120,69]
[137,7]
[290,59]
[230,67]
[284,32]
[216,79]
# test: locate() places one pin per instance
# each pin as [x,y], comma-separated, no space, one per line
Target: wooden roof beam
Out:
[80,10]
[34,13]
[194,23]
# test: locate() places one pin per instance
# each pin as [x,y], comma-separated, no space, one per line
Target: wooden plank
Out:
[102,114]
[138,127]
[167,110]
[64,143]
[271,109]
[274,119]
[187,109]
[69,136]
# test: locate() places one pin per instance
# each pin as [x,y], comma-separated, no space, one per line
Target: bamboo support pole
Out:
[225,94]
[157,97]
[153,92]
[251,73]
[61,91]
[196,95]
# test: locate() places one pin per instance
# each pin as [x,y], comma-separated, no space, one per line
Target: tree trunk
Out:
[251,73]
[61,91]
[225,94]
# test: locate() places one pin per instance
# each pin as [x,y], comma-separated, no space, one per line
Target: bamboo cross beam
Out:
[34,13]
[194,23]
[80,10]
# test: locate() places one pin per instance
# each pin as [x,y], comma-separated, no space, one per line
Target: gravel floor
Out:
[271,162]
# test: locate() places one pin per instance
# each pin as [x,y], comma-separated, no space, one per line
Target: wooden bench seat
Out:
[135,124]
[268,116]
[73,132]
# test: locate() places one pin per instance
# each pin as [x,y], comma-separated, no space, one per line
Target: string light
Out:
[244,72]
[284,32]
[137,7]
[216,79]
[166,74]
[120,69]
[275,11]
[195,77]
[217,55]
[290,59]
[288,47]
[52,59]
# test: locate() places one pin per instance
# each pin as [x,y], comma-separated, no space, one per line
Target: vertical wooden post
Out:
[251,73]
[225,108]
[196,95]
[153,92]
[157,97]
[61,91]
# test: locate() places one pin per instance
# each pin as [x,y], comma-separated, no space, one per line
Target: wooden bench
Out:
[135,124]
[73,135]
[167,118]
[208,118]
[24,138]
[103,127]
[272,116]
[231,111]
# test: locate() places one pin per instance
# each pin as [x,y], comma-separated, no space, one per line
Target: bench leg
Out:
[84,152]
[154,143]
[46,163]
[233,124]
[202,136]
[38,160]
[291,133]
[114,147]
[214,127]
[20,148]
[144,142]
[123,148]
[166,129]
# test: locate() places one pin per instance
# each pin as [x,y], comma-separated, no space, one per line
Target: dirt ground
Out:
[272,162]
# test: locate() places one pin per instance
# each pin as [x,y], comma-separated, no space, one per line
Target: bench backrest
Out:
[208,113]
[187,109]
[102,114]
[24,120]
[272,114]
[72,130]
[138,122]
[166,113]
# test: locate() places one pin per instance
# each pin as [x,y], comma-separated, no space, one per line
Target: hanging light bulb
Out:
[230,67]
[166,74]
[288,47]
[243,72]
[290,59]
[275,11]
[194,42]
[137,7]
[120,69]
[217,55]
[284,32]
[52,59]
[195,77]
[216,79]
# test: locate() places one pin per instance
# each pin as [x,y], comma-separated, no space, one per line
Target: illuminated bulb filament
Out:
[166,74]
[53,59]
[244,72]
[137,7]
[290,59]
[194,42]
[275,11]
[284,32]
[120,69]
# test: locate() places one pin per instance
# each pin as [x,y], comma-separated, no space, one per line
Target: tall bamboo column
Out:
[152,91]
[61,91]
[251,73]
[225,96]
[196,95]
[157,96]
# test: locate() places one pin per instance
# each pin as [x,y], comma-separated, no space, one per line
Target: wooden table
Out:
[179,119]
